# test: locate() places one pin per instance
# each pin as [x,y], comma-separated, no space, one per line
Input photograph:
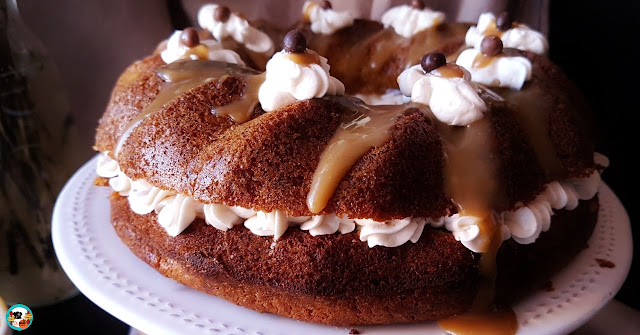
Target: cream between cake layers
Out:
[482,146]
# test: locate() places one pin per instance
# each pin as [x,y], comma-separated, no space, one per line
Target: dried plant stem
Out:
[27,191]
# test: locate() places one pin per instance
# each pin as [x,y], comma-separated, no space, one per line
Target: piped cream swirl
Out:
[408,21]
[500,71]
[453,100]
[527,222]
[177,49]
[519,37]
[466,229]
[328,224]
[392,233]
[326,21]
[237,27]
[288,81]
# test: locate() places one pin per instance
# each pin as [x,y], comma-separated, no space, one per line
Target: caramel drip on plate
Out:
[494,322]
[530,107]
[361,129]
[182,76]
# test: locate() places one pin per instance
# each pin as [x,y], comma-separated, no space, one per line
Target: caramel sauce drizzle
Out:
[470,181]
[304,58]
[530,107]
[492,29]
[481,60]
[306,12]
[240,111]
[362,129]
[449,71]
[493,322]
[201,51]
[469,167]
[182,76]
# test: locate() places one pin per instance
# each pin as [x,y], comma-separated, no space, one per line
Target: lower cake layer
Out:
[337,279]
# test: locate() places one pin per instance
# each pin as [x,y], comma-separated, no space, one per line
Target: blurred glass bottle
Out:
[37,135]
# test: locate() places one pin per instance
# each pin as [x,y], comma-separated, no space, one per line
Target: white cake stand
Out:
[104,270]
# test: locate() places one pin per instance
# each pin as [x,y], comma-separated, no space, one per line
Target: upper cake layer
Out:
[229,134]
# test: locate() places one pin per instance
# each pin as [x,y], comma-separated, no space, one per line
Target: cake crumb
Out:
[354,331]
[605,263]
[548,286]
[101,181]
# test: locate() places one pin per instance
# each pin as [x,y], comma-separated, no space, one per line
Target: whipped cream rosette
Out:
[513,34]
[408,20]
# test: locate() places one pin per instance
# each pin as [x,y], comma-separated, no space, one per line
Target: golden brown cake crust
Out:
[338,280]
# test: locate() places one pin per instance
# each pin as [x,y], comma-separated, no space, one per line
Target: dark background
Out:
[595,42]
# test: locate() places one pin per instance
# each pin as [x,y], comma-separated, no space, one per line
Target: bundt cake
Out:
[352,172]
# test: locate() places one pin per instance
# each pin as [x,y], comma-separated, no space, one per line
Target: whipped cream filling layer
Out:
[175,212]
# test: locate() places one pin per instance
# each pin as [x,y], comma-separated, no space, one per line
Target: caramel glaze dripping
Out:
[201,51]
[471,183]
[530,106]
[469,167]
[470,180]
[492,29]
[306,14]
[359,131]
[303,58]
[449,71]
[182,76]
[241,110]
[493,322]
[481,60]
